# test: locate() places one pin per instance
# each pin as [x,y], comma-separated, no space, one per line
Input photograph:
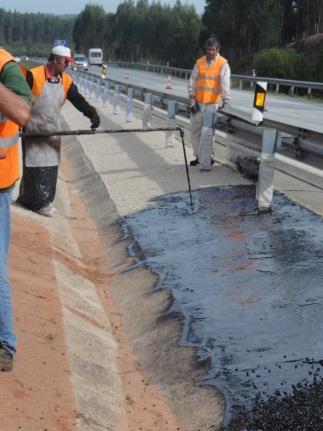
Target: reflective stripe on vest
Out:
[9,135]
[209,78]
[207,89]
[8,142]
[39,75]
[207,85]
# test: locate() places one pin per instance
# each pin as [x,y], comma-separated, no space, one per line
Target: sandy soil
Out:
[38,394]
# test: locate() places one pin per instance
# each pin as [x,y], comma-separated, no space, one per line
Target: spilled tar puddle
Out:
[249,286]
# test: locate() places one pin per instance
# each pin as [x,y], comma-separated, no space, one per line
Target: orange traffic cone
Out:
[168,85]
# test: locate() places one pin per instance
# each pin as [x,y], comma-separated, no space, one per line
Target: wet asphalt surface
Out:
[250,290]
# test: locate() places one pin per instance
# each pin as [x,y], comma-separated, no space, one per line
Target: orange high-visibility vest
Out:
[207,86]
[39,75]
[23,69]
[9,137]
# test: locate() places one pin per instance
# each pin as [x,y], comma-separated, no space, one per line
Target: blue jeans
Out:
[7,335]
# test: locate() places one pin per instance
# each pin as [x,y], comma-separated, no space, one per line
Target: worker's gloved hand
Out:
[224,104]
[95,122]
[195,108]
[94,118]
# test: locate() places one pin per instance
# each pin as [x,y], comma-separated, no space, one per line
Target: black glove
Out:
[195,108]
[223,105]
[93,117]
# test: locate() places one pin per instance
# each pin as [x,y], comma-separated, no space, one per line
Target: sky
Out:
[59,7]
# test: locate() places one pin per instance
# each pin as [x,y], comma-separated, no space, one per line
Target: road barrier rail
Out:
[301,140]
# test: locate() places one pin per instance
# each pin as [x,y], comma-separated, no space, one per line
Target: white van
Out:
[95,56]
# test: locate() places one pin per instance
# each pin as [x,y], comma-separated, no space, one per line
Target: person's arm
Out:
[13,106]
[225,83]
[80,103]
[15,95]
[192,85]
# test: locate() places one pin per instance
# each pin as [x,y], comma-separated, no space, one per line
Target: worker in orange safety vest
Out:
[15,107]
[51,86]
[208,89]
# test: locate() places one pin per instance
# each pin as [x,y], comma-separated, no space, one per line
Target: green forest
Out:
[276,37]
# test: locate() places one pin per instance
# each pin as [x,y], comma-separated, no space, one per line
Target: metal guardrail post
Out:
[171,122]
[88,87]
[147,111]
[106,94]
[254,73]
[265,184]
[92,89]
[84,85]
[116,100]
[129,106]
[97,91]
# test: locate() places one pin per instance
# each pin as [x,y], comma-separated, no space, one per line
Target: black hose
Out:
[181,131]
[114,131]
[96,132]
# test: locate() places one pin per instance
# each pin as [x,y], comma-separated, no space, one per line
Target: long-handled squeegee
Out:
[114,131]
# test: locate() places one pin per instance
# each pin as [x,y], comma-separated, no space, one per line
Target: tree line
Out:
[250,26]
[253,33]
[33,33]
[141,32]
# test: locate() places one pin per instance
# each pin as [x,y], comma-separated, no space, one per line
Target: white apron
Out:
[45,117]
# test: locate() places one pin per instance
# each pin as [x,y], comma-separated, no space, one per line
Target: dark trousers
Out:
[38,187]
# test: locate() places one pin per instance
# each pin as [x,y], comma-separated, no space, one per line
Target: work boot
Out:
[194,162]
[264,210]
[6,359]
[47,211]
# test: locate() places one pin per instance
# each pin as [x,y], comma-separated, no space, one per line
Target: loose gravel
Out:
[300,410]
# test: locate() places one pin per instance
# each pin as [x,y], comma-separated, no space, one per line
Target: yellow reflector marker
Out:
[104,71]
[260,100]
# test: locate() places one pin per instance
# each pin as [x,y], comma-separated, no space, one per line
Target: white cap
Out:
[63,51]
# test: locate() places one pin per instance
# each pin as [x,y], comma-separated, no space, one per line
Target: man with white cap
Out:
[50,86]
